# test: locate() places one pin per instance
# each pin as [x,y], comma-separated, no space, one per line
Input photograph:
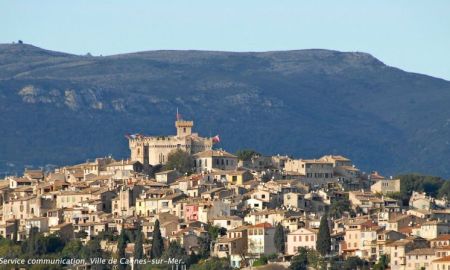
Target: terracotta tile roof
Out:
[262,225]
[443,259]
[214,153]
[442,237]
[421,251]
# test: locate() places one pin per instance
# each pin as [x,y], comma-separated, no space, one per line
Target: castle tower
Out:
[184,128]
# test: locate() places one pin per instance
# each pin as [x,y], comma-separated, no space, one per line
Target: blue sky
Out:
[412,35]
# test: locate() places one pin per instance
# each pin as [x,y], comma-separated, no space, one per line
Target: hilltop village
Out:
[243,209]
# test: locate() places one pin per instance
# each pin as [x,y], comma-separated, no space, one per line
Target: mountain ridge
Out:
[304,103]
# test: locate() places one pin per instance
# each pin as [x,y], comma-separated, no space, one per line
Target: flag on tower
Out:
[216,139]
[178,115]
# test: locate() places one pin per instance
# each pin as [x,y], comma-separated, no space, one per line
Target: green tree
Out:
[212,264]
[422,183]
[279,238]
[299,261]
[246,154]
[50,244]
[157,241]
[352,263]
[215,231]
[138,246]
[382,263]
[15,230]
[31,245]
[204,244]
[444,190]
[121,245]
[261,261]
[81,234]
[314,259]
[339,207]
[179,160]
[93,250]
[175,250]
[72,249]
[107,235]
[323,244]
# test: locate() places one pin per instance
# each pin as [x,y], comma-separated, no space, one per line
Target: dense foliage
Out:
[179,160]
[212,264]
[279,238]
[121,245]
[432,185]
[382,263]
[307,258]
[352,263]
[246,154]
[38,246]
[323,244]
[157,241]
[339,207]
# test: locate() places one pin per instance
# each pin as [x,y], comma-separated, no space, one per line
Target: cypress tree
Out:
[138,247]
[323,244]
[157,242]
[15,230]
[279,238]
[121,245]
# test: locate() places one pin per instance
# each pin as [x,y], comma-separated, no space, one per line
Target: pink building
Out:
[191,212]
[301,238]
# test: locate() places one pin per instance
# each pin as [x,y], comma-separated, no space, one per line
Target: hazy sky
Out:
[412,35]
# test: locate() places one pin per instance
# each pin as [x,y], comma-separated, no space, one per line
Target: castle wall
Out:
[156,149]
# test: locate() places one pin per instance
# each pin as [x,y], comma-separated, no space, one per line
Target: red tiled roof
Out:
[262,225]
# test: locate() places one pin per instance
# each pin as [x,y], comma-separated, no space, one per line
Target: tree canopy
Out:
[432,185]
[157,241]
[121,245]
[279,238]
[179,160]
[246,154]
[323,244]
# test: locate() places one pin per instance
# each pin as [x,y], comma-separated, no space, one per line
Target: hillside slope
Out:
[59,108]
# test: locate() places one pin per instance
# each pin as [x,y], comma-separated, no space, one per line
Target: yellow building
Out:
[238,177]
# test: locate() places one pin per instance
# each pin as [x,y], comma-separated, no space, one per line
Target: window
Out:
[306,238]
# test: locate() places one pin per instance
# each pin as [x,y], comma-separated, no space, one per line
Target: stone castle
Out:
[154,150]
